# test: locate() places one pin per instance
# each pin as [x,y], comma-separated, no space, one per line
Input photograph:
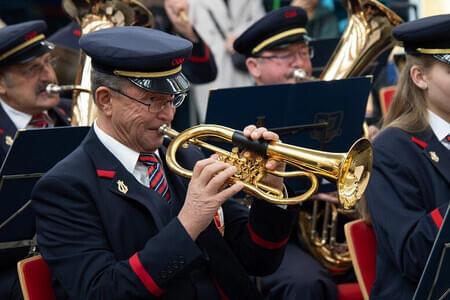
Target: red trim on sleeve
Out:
[219,290]
[437,217]
[106,174]
[1,131]
[143,275]
[203,58]
[419,142]
[263,243]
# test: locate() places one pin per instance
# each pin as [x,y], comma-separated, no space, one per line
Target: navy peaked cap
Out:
[149,58]
[276,29]
[430,35]
[23,42]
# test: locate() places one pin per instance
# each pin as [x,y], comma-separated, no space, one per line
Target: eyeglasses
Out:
[36,68]
[156,106]
[305,52]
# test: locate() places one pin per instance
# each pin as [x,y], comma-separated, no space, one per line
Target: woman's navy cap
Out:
[149,58]
[276,29]
[23,42]
[430,35]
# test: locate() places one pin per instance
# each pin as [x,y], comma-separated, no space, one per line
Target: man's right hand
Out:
[206,192]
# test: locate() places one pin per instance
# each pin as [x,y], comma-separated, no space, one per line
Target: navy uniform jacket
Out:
[408,195]
[106,242]
[8,129]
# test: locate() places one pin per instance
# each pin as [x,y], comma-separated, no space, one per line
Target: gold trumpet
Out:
[350,171]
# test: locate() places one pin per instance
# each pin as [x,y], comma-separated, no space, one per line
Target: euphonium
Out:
[94,15]
[367,35]
[350,171]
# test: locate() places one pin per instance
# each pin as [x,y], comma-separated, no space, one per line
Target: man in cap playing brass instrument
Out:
[114,222]
[25,71]
[277,52]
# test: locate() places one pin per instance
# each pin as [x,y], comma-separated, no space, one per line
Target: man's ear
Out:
[2,84]
[103,100]
[253,66]
[419,77]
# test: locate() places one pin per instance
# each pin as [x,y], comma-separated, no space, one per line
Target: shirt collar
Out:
[127,156]
[439,126]
[20,119]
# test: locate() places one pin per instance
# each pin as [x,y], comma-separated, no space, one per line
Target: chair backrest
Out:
[35,279]
[362,247]
[386,96]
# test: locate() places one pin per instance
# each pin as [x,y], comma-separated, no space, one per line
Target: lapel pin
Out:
[8,140]
[434,156]
[122,187]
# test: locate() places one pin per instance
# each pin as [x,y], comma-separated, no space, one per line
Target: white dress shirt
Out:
[127,156]
[21,119]
[440,127]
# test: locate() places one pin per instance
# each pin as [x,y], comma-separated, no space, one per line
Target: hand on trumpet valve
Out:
[254,133]
[206,192]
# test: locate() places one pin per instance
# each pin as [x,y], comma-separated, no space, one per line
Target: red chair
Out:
[35,279]
[349,291]
[362,247]
[386,97]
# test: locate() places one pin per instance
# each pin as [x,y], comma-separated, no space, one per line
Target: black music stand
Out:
[339,103]
[33,153]
[434,283]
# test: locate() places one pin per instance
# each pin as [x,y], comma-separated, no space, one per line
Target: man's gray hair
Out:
[99,79]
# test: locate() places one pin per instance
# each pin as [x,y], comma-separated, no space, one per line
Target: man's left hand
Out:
[271,164]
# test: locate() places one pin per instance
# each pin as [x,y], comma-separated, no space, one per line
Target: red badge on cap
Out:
[30,35]
[76,32]
[177,61]
[290,14]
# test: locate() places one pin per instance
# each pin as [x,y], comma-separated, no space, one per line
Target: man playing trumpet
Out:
[114,223]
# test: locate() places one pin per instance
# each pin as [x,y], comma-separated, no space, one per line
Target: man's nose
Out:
[47,73]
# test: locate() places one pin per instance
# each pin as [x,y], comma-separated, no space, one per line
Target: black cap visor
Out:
[173,84]
[445,58]
[28,54]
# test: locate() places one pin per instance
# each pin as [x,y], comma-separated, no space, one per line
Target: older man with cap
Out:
[25,71]
[409,188]
[276,46]
[113,222]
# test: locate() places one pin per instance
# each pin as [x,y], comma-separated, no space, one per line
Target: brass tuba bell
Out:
[350,171]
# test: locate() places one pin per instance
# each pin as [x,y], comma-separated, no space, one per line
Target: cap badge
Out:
[177,61]
[30,35]
[122,187]
[290,14]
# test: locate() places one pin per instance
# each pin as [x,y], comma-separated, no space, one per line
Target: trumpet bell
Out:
[355,173]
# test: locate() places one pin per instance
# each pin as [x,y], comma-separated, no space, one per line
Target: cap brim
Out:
[174,84]
[29,53]
[445,58]
[287,41]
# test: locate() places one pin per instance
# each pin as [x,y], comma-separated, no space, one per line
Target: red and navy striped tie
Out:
[447,138]
[39,121]
[158,181]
